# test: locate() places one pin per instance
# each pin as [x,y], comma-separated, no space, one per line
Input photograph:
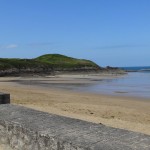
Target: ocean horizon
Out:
[136,68]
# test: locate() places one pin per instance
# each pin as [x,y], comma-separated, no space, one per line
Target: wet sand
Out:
[116,111]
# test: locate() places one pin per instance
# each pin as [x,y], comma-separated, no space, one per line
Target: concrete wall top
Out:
[53,132]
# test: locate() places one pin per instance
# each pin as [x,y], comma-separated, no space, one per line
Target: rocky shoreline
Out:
[42,72]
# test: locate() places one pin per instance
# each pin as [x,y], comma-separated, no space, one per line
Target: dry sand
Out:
[121,112]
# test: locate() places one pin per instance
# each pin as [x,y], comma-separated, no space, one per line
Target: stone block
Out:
[4,98]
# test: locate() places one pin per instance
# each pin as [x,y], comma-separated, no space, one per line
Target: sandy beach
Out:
[116,111]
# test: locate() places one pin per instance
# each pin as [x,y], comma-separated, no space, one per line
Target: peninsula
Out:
[50,64]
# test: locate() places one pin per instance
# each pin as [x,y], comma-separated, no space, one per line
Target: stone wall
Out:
[27,129]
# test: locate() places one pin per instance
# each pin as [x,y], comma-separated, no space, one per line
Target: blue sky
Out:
[109,32]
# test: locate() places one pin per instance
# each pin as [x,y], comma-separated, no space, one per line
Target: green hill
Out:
[61,61]
[45,64]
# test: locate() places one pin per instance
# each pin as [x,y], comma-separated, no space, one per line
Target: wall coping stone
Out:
[27,129]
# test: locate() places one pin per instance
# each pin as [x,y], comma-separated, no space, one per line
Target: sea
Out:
[138,69]
[136,83]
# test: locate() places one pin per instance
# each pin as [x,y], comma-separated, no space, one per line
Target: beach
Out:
[124,112]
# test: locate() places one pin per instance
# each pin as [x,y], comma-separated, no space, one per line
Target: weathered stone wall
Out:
[26,129]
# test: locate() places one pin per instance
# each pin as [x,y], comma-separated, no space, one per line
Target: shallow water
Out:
[134,84]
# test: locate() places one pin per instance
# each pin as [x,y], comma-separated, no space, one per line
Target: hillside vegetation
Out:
[45,64]
[61,61]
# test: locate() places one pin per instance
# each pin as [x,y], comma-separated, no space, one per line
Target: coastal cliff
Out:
[50,64]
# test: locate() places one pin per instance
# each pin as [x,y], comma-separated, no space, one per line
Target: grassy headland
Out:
[48,64]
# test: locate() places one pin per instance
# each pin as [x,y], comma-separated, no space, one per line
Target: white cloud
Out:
[11,46]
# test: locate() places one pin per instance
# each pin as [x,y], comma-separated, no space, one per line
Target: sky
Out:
[108,32]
